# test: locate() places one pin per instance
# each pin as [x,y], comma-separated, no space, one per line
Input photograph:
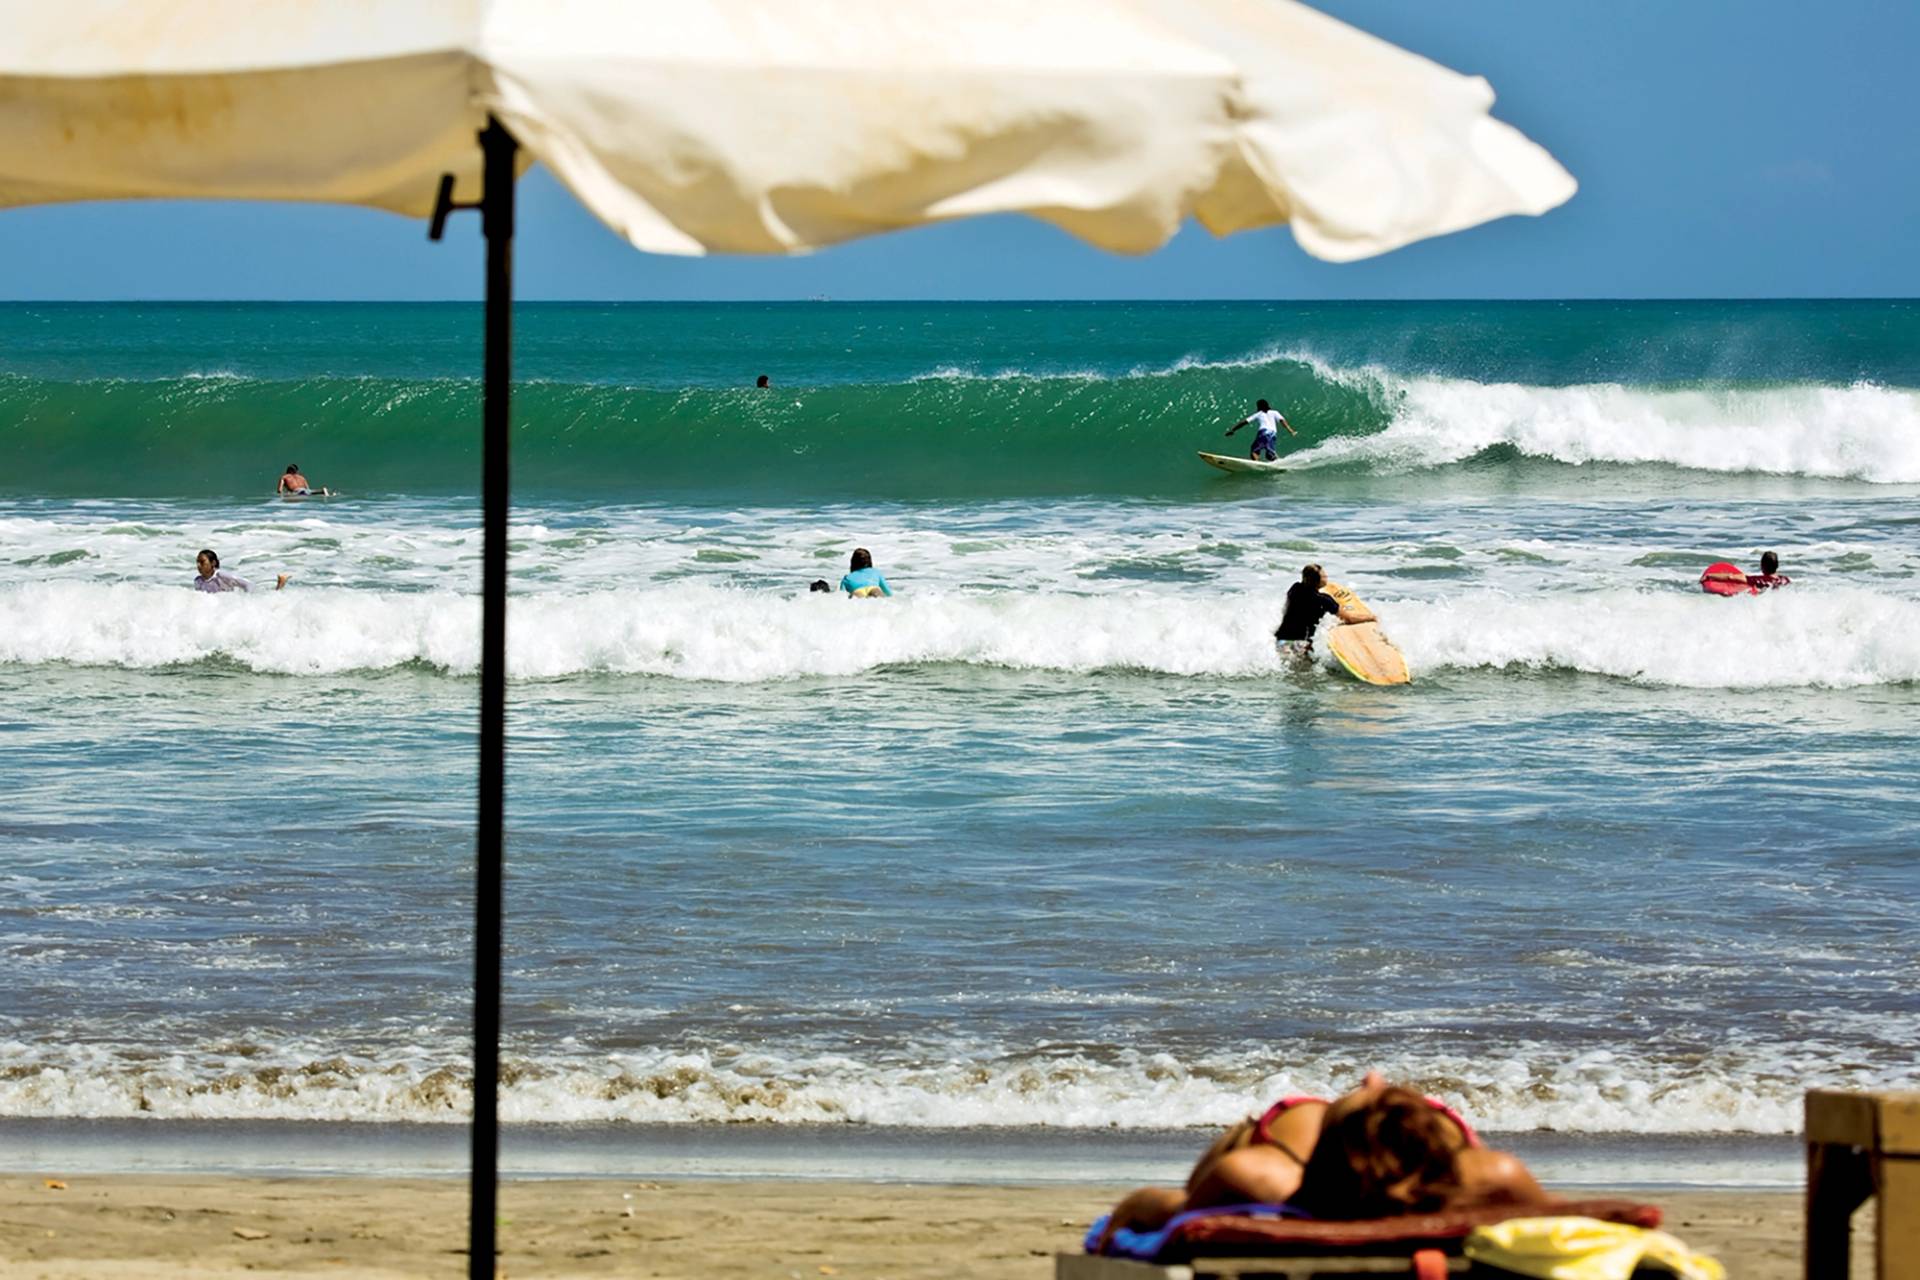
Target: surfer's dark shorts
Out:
[1267,444]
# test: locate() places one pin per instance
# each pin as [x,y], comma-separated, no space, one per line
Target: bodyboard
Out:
[1238,465]
[1723,579]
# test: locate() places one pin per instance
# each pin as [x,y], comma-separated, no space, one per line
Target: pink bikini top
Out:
[1262,1133]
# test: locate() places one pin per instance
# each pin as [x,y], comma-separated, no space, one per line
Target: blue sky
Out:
[1724,149]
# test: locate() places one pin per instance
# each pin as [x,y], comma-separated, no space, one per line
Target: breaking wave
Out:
[944,434]
[1834,637]
[1532,1087]
[1859,432]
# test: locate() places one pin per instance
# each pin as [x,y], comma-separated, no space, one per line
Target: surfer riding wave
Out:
[1267,422]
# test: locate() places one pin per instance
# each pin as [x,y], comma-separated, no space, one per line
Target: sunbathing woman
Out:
[1378,1151]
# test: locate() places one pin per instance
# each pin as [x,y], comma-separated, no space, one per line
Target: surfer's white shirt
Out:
[1266,422]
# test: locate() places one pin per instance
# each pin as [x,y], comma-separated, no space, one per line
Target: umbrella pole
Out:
[496,218]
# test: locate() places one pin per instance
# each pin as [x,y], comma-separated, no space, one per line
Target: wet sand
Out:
[128,1226]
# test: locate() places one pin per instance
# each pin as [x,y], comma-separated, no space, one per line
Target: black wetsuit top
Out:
[1305,605]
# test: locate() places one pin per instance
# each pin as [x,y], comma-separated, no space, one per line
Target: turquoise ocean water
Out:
[1049,840]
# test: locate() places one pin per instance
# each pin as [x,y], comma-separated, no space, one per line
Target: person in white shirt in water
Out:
[1267,422]
[213,578]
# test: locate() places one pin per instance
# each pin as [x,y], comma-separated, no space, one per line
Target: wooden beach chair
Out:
[1423,1246]
[1860,1145]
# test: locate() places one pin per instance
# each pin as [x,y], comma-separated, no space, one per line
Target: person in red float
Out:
[1769,576]
[1724,579]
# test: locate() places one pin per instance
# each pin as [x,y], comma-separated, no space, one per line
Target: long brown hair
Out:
[1393,1154]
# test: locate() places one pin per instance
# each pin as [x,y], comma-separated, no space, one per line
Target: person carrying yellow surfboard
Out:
[1306,605]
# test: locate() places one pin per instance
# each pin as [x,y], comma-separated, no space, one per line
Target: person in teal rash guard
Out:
[862,578]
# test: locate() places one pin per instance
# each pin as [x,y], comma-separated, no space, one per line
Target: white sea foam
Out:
[1836,638]
[1831,637]
[1859,432]
[1530,1087]
[1257,359]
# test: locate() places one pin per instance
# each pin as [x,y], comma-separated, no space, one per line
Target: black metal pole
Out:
[496,220]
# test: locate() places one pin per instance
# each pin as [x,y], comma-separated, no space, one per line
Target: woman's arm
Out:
[1252,1175]
[1358,613]
[1147,1209]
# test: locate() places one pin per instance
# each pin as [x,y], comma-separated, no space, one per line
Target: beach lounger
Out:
[1233,1246]
[1860,1145]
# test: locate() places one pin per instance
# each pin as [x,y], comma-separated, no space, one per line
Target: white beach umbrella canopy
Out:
[772,126]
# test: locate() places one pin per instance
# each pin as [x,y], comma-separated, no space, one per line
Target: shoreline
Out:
[807,1153]
[379,1228]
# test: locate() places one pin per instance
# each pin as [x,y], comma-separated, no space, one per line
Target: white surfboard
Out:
[1225,463]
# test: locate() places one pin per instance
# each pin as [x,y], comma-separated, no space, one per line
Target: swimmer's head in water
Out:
[862,559]
[761,381]
[1383,1150]
[819,584]
[1311,575]
[1769,563]
[207,562]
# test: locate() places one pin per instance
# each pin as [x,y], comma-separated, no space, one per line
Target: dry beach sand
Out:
[125,1226]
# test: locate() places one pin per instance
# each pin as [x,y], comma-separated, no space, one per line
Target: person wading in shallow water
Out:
[862,579]
[212,578]
[1306,605]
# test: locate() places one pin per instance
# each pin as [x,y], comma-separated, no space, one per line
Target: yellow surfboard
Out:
[1359,644]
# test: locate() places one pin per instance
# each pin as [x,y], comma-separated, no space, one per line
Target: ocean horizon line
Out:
[1542,299]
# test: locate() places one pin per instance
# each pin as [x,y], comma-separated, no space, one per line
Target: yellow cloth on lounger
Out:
[1585,1249]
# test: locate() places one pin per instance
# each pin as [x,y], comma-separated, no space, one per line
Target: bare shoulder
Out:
[1299,1125]
[1495,1176]
[1258,1174]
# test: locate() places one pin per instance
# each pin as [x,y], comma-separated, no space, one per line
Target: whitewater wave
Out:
[1830,638]
[1799,637]
[1860,432]
[1530,1086]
